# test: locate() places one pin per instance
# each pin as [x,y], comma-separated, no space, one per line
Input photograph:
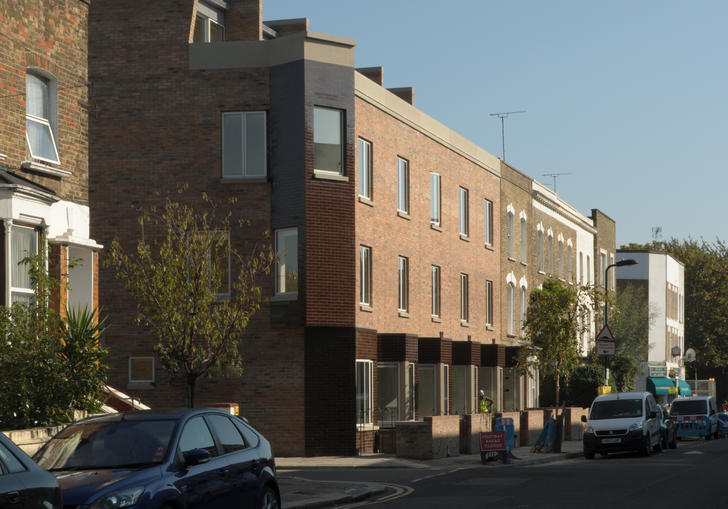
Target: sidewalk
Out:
[298,492]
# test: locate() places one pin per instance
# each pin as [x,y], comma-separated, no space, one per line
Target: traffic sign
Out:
[605,334]
[605,341]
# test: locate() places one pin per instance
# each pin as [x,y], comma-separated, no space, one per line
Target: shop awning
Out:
[661,385]
[684,388]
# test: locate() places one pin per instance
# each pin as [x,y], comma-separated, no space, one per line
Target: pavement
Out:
[298,492]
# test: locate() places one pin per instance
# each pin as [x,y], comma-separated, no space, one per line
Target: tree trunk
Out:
[558,388]
[191,381]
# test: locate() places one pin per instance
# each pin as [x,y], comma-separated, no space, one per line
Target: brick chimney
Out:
[244,20]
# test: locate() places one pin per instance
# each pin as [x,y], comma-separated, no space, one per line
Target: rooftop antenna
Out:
[656,233]
[502,115]
[555,176]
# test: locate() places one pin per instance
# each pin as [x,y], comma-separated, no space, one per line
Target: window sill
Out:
[403,314]
[464,237]
[464,323]
[366,201]
[436,227]
[329,175]
[489,327]
[284,297]
[541,272]
[525,264]
[436,319]
[244,180]
[489,247]
[404,215]
[511,335]
[44,168]
[511,259]
[367,308]
[141,385]
[367,427]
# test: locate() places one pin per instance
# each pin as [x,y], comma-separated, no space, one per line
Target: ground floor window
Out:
[395,392]
[23,243]
[491,383]
[364,392]
[464,390]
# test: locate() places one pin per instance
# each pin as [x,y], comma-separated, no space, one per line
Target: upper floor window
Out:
[570,261]
[510,234]
[435,291]
[524,308]
[287,261]
[328,136]
[403,283]
[464,298]
[603,268]
[489,302]
[488,222]
[23,243]
[464,220]
[365,169]
[581,268]
[551,254]
[402,185]
[365,266]
[41,113]
[511,308]
[540,251]
[561,259]
[209,24]
[524,241]
[435,199]
[243,144]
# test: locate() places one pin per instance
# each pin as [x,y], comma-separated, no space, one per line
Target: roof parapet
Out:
[407,94]
[376,74]
[284,27]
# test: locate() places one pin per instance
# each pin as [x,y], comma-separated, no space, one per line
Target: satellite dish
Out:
[689,355]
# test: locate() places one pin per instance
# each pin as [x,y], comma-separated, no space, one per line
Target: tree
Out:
[630,322]
[552,329]
[49,365]
[193,289]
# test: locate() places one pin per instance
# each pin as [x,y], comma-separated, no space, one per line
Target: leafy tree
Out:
[49,365]
[630,322]
[552,330]
[194,290]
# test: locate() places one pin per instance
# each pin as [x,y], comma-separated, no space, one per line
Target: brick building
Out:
[387,301]
[44,148]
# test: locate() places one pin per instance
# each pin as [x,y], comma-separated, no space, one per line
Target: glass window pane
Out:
[199,35]
[23,244]
[327,133]
[365,275]
[287,267]
[365,154]
[37,90]
[141,369]
[402,185]
[40,140]
[196,435]
[255,144]
[217,32]
[435,198]
[232,145]
[227,433]
[388,392]
[12,463]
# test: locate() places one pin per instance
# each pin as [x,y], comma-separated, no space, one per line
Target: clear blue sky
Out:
[630,97]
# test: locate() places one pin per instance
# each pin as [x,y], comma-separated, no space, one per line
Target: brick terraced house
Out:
[44,148]
[387,302]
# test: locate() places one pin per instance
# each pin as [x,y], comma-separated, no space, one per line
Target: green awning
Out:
[661,385]
[684,388]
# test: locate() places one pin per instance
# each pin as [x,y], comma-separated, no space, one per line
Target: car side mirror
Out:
[653,414]
[196,456]
[583,418]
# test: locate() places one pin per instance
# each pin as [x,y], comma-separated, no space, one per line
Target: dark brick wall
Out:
[398,348]
[435,350]
[493,355]
[465,353]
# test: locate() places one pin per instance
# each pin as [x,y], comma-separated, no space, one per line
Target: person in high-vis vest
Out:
[485,403]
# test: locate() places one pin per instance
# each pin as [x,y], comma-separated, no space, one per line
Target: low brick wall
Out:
[471,425]
[435,437]
[532,423]
[387,440]
[573,427]
[30,440]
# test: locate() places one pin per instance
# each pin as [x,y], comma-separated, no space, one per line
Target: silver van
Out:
[622,421]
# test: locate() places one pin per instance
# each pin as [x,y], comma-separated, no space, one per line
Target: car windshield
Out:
[616,409]
[689,407]
[107,444]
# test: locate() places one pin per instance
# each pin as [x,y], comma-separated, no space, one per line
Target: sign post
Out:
[606,346]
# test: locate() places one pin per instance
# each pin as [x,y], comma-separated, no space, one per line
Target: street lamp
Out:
[620,263]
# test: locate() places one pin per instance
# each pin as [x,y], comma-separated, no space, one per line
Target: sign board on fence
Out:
[493,441]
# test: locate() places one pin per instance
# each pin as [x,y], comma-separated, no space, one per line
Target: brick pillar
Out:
[58,269]
[244,20]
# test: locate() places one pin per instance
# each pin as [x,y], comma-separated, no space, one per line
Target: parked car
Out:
[200,458]
[23,484]
[667,428]
[695,416]
[723,423]
[622,421]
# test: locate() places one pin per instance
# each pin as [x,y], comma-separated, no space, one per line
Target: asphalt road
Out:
[693,475]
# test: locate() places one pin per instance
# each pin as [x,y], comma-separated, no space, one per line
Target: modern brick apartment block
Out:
[44,148]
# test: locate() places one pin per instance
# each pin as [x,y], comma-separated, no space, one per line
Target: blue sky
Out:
[630,97]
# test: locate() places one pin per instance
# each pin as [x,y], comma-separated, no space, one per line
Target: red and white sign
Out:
[493,441]
[605,341]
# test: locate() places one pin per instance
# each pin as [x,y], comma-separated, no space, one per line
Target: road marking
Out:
[694,452]
[399,492]
[439,474]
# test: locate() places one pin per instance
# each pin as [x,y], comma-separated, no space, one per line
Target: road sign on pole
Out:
[605,341]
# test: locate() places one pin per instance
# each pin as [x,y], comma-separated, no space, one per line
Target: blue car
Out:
[190,459]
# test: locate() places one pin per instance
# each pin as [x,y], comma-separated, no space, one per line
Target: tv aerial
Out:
[502,115]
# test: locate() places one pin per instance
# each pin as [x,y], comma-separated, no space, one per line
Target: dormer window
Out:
[40,117]
[209,23]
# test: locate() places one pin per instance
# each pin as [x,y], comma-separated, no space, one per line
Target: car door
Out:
[243,462]
[10,485]
[653,423]
[202,485]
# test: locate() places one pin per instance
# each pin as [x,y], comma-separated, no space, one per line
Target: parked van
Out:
[696,416]
[622,421]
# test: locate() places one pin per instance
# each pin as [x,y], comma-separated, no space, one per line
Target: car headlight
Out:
[122,498]
[636,426]
[589,430]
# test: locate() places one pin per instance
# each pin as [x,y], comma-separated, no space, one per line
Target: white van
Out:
[695,417]
[622,421]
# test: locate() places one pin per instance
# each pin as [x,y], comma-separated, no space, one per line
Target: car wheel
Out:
[589,455]
[269,499]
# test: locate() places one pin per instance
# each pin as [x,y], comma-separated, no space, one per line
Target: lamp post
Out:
[620,263]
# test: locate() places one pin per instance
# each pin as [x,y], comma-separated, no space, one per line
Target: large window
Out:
[287,262]
[364,392]
[209,24]
[365,265]
[540,251]
[365,169]
[524,241]
[40,117]
[328,135]
[23,243]
[489,302]
[403,284]
[524,307]
[388,392]
[141,369]
[581,268]
[602,268]
[435,200]
[551,254]
[243,144]
[464,214]
[488,219]
[510,235]
[464,298]
[402,185]
[436,291]
[511,308]
[561,259]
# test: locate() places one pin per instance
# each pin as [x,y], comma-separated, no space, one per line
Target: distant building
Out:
[663,279]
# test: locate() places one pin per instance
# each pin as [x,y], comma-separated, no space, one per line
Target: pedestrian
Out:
[485,403]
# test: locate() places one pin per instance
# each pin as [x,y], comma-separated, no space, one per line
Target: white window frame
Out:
[445,388]
[524,306]
[524,240]
[365,274]
[561,259]
[551,253]
[342,140]
[154,370]
[464,298]
[20,290]
[509,233]
[402,185]
[209,15]
[244,172]
[540,247]
[49,124]
[511,308]
[488,222]
[278,273]
[488,303]
[436,291]
[365,168]
[464,213]
[403,284]
[364,395]
[435,198]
